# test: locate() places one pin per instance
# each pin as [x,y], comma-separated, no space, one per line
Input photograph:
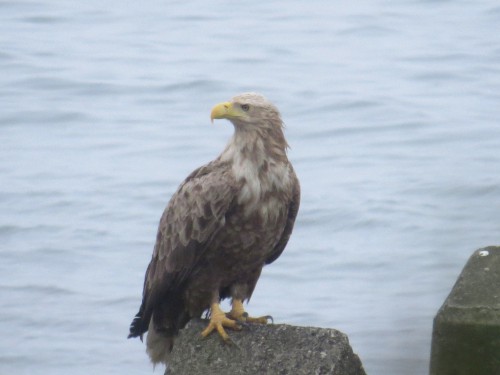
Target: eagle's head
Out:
[248,111]
[258,128]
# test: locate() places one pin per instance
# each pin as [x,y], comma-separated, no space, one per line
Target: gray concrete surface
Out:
[264,349]
[466,335]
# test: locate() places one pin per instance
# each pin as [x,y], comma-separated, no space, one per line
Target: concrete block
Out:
[466,335]
[264,349]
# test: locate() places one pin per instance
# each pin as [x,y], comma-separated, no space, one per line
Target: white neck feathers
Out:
[255,167]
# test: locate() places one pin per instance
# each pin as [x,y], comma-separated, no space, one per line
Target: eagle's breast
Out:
[263,186]
[262,178]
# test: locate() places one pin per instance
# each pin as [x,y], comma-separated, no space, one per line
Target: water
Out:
[392,114]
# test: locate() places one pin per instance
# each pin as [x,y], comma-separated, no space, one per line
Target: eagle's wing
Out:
[195,213]
[193,217]
[293,209]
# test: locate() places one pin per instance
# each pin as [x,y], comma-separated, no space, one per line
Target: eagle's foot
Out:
[218,321]
[239,314]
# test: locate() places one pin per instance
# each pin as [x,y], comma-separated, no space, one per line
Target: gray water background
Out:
[393,117]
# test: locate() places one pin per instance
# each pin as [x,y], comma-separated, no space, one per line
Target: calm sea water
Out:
[392,113]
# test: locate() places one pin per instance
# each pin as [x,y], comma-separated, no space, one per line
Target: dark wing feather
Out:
[293,209]
[194,215]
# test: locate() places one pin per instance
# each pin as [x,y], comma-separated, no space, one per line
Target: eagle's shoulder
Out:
[193,216]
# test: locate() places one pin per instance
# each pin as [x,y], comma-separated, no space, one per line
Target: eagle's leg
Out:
[219,320]
[238,313]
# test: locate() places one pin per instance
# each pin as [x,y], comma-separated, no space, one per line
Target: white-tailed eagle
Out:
[226,221]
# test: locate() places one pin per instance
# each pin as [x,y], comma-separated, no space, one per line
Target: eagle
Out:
[226,221]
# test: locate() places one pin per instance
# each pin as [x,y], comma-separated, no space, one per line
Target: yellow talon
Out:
[238,313]
[218,321]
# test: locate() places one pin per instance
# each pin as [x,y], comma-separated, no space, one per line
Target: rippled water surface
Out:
[393,117]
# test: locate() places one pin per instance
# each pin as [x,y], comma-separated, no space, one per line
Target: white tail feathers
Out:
[158,345]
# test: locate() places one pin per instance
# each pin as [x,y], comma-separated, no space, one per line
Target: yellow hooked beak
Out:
[225,110]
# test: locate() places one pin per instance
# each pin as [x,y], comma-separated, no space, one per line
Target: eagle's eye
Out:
[245,107]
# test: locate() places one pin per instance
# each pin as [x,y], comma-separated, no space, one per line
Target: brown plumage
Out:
[227,220]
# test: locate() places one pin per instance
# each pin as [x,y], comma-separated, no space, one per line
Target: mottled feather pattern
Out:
[223,224]
[193,217]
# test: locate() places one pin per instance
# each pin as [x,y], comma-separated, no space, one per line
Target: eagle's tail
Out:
[162,325]
[159,344]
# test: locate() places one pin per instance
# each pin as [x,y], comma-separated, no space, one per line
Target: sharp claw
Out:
[240,320]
